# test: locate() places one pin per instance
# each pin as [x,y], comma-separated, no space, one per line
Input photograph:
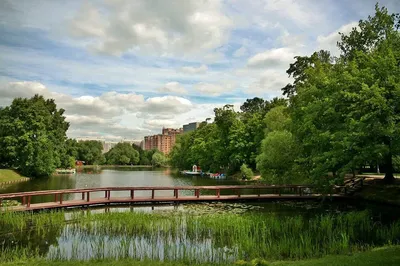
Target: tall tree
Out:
[122,154]
[32,136]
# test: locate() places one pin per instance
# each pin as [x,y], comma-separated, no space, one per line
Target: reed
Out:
[192,239]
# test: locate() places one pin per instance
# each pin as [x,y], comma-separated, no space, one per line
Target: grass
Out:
[381,256]
[212,238]
[7,175]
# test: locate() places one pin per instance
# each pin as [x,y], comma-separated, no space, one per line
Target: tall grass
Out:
[191,239]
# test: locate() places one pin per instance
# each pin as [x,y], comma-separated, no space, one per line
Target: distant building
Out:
[162,142]
[190,127]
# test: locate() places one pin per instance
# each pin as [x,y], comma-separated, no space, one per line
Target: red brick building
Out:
[163,142]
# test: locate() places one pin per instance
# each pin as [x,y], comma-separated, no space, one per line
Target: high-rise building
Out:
[163,142]
[190,127]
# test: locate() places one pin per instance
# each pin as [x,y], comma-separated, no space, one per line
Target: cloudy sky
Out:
[126,68]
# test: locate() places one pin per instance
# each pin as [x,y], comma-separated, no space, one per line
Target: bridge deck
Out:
[230,193]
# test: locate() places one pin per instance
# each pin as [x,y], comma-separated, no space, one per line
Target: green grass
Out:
[7,175]
[381,256]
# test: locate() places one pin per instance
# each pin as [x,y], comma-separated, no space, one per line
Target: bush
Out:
[246,171]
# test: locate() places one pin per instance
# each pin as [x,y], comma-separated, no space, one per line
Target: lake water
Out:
[112,177]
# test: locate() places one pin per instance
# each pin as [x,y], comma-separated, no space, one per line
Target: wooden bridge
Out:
[169,195]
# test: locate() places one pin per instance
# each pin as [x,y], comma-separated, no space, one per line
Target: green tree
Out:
[122,154]
[91,152]
[159,159]
[32,136]
[346,110]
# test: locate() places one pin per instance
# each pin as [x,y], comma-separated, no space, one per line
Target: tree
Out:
[159,159]
[90,151]
[32,136]
[122,154]
[346,111]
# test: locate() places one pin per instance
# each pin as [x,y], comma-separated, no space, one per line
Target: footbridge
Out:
[86,197]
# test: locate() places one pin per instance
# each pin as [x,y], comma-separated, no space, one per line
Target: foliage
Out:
[246,172]
[33,136]
[91,152]
[122,154]
[159,159]
[345,111]
[232,140]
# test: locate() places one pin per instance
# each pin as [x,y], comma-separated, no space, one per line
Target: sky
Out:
[123,69]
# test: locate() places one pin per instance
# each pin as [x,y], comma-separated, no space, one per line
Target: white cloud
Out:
[213,89]
[300,12]
[269,83]
[329,42]
[178,27]
[194,70]
[173,88]
[272,58]
[242,51]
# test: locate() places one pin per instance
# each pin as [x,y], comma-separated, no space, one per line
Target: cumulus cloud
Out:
[213,89]
[173,88]
[103,114]
[180,26]
[194,70]
[269,83]
[329,42]
[272,58]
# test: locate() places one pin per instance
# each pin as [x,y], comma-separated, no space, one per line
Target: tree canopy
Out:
[33,136]
[122,154]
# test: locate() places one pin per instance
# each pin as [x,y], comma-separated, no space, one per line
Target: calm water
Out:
[113,177]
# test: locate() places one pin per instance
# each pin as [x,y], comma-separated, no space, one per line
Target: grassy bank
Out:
[377,190]
[7,175]
[376,257]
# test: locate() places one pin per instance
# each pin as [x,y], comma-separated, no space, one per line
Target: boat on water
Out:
[191,173]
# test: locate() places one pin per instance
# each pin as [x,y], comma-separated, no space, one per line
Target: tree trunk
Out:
[389,177]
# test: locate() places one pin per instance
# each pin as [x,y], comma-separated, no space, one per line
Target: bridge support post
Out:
[108,194]
[132,193]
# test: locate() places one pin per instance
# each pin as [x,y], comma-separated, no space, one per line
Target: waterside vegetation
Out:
[193,239]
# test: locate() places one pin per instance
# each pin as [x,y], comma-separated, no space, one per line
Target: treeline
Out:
[343,113]
[33,140]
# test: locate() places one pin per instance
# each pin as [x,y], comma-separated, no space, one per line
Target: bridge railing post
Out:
[88,196]
[23,200]
[218,193]
[197,193]
[83,195]
[29,201]
[176,193]
[238,192]
[152,193]
[108,194]
[61,198]
[132,194]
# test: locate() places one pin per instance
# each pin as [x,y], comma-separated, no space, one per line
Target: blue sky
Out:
[125,69]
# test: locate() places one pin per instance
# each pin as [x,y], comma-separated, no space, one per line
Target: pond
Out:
[111,177]
[191,233]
